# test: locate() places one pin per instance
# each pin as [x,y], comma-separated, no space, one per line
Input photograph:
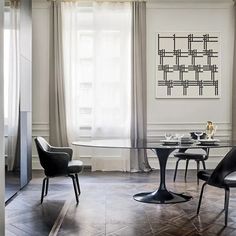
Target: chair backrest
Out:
[203,136]
[205,151]
[194,136]
[226,166]
[42,147]
[54,162]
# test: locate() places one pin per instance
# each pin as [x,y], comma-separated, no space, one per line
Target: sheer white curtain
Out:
[97,60]
[11,80]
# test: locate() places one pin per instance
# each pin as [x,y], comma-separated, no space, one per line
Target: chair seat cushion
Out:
[190,156]
[204,174]
[75,166]
[230,180]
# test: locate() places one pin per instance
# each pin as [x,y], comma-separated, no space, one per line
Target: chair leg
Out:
[197,171]
[200,198]
[176,167]
[203,165]
[225,199]
[77,181]
[74,185]
[43,189]
[226,207]
[47,182]
[186,169]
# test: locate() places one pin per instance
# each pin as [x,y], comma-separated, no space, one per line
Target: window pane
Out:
[97,66]
[86,70]
[85,49]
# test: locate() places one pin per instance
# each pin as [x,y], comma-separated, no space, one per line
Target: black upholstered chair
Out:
[187,156]
[57,161]
[223,176]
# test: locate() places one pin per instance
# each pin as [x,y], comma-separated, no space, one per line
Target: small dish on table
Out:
[186,140]
[189,142]
[170,141]
[208,141]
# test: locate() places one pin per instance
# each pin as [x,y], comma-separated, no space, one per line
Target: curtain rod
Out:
[97,0]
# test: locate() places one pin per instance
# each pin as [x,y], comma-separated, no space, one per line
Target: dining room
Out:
[133,101]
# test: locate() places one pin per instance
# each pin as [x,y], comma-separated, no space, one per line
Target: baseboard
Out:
[210,164]
[87,168]
[116,164]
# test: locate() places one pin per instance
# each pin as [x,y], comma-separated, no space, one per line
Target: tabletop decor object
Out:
[210,129]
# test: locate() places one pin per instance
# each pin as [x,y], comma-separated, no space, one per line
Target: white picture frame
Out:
[188,65]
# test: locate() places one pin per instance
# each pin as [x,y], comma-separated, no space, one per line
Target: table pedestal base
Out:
[161,197]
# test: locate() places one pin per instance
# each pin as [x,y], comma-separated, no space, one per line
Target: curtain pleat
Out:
[57,111]
[138,158]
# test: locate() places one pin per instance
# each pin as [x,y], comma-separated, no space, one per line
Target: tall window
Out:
[11,80]
[97,62]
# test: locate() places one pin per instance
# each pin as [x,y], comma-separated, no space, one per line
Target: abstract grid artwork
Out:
[187,65]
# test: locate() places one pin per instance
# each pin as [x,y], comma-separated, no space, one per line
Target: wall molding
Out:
[156,130]
[185,123]
[40,129]
[189,4]
[41,4]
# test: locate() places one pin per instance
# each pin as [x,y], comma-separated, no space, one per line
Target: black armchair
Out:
[187,156]
[57,161]
[222,177]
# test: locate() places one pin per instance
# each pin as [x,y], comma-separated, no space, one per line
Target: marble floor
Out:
[107,208]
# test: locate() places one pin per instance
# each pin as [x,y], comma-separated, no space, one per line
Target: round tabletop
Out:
[148,144]
[162,195]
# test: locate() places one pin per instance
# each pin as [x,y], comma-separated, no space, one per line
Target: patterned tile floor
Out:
[107,208]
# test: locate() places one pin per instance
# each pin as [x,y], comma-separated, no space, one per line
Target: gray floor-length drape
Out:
[57,110]
[138,158]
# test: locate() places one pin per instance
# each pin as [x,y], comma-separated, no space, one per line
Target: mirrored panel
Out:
[12,97]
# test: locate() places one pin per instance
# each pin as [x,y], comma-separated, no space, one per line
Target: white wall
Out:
[40,88]
[177,115]
[184,115]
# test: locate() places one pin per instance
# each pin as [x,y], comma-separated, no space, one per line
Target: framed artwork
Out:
[187,65]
